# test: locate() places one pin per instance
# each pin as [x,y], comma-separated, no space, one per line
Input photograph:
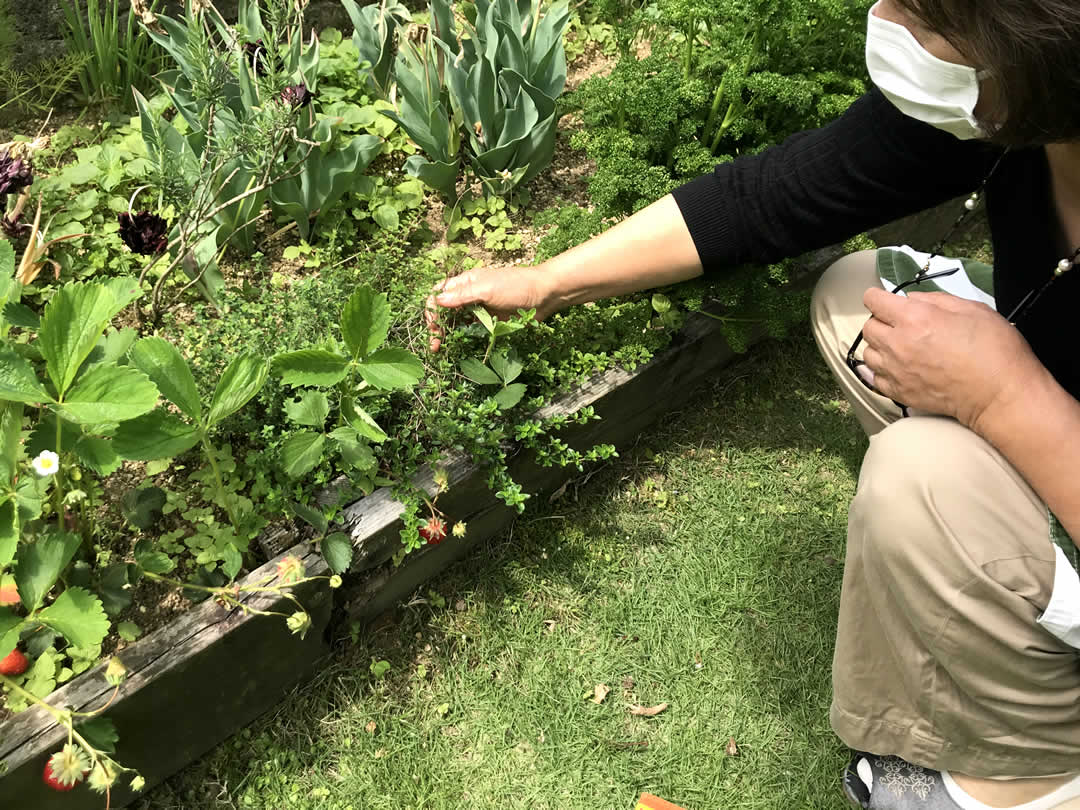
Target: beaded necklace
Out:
[970,204]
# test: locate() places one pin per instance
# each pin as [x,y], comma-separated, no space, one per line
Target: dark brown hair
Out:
[1033,49]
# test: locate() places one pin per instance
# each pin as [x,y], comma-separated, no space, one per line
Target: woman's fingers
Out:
[459,291]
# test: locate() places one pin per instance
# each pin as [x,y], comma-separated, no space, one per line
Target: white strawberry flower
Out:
[47,463]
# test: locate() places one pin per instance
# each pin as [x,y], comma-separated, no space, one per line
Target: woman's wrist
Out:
[652,248]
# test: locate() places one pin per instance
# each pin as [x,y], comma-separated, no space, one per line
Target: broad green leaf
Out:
[114,588]
[143,508]
[311,410]
[476,371]
[510,396]
[361,421]
[10,427]
[158,434]
[485,318]
[156,562]
[506,328]
[19,314]
[18,382]
[386,217]
[40,565]
[113,345]
[9,531]
[10,627]
[354,452]
[242,379]
[313,517]
[128,631]
[337,550]
[365,321]
[391,368]
[311,367]
[28,499]
[98,454]
[162,362]
[101,732]
[233,561]
[301,452]
[109,393]
[73,320]
[507,365]
[78,616]
[7,259]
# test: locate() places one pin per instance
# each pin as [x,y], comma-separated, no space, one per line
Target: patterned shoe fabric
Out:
[889,783]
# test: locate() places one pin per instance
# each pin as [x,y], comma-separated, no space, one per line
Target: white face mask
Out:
[922,86]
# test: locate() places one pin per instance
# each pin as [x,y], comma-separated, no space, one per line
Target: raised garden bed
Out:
[210,672]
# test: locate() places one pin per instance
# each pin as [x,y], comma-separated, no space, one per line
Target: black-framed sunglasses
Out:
[1015,317]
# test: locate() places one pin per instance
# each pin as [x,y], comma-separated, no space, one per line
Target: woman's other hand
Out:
[946,355]
[502,291]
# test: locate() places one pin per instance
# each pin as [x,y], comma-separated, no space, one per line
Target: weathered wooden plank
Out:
[191,684]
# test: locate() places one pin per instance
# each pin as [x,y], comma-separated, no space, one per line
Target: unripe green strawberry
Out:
[434,531]
[14,663]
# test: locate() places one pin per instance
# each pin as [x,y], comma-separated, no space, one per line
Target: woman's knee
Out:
[839,291]
[930,488]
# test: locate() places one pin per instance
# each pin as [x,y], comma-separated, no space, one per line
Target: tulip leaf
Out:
[242,379]
[162,362]
[109,393]
[365,321]
[323,178]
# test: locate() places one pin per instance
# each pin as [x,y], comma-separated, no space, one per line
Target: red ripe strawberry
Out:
[14,663]
[66,768]
[9,595]
[434,531]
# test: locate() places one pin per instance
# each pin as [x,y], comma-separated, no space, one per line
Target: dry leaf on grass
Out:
[370,727]
[650,711]
[600,691]
[731,749]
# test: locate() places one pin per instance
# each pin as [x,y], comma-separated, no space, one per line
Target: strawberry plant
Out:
[352,373]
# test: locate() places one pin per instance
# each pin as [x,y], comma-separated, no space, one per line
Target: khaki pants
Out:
[939,659]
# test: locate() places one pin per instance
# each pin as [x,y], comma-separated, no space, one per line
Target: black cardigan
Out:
[874,165]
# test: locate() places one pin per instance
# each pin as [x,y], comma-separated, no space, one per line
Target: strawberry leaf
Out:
[78,616]
[40,564]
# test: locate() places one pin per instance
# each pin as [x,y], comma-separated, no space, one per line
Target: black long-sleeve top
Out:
[874,165]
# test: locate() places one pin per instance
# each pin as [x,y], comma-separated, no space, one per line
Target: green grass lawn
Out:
[701,569]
